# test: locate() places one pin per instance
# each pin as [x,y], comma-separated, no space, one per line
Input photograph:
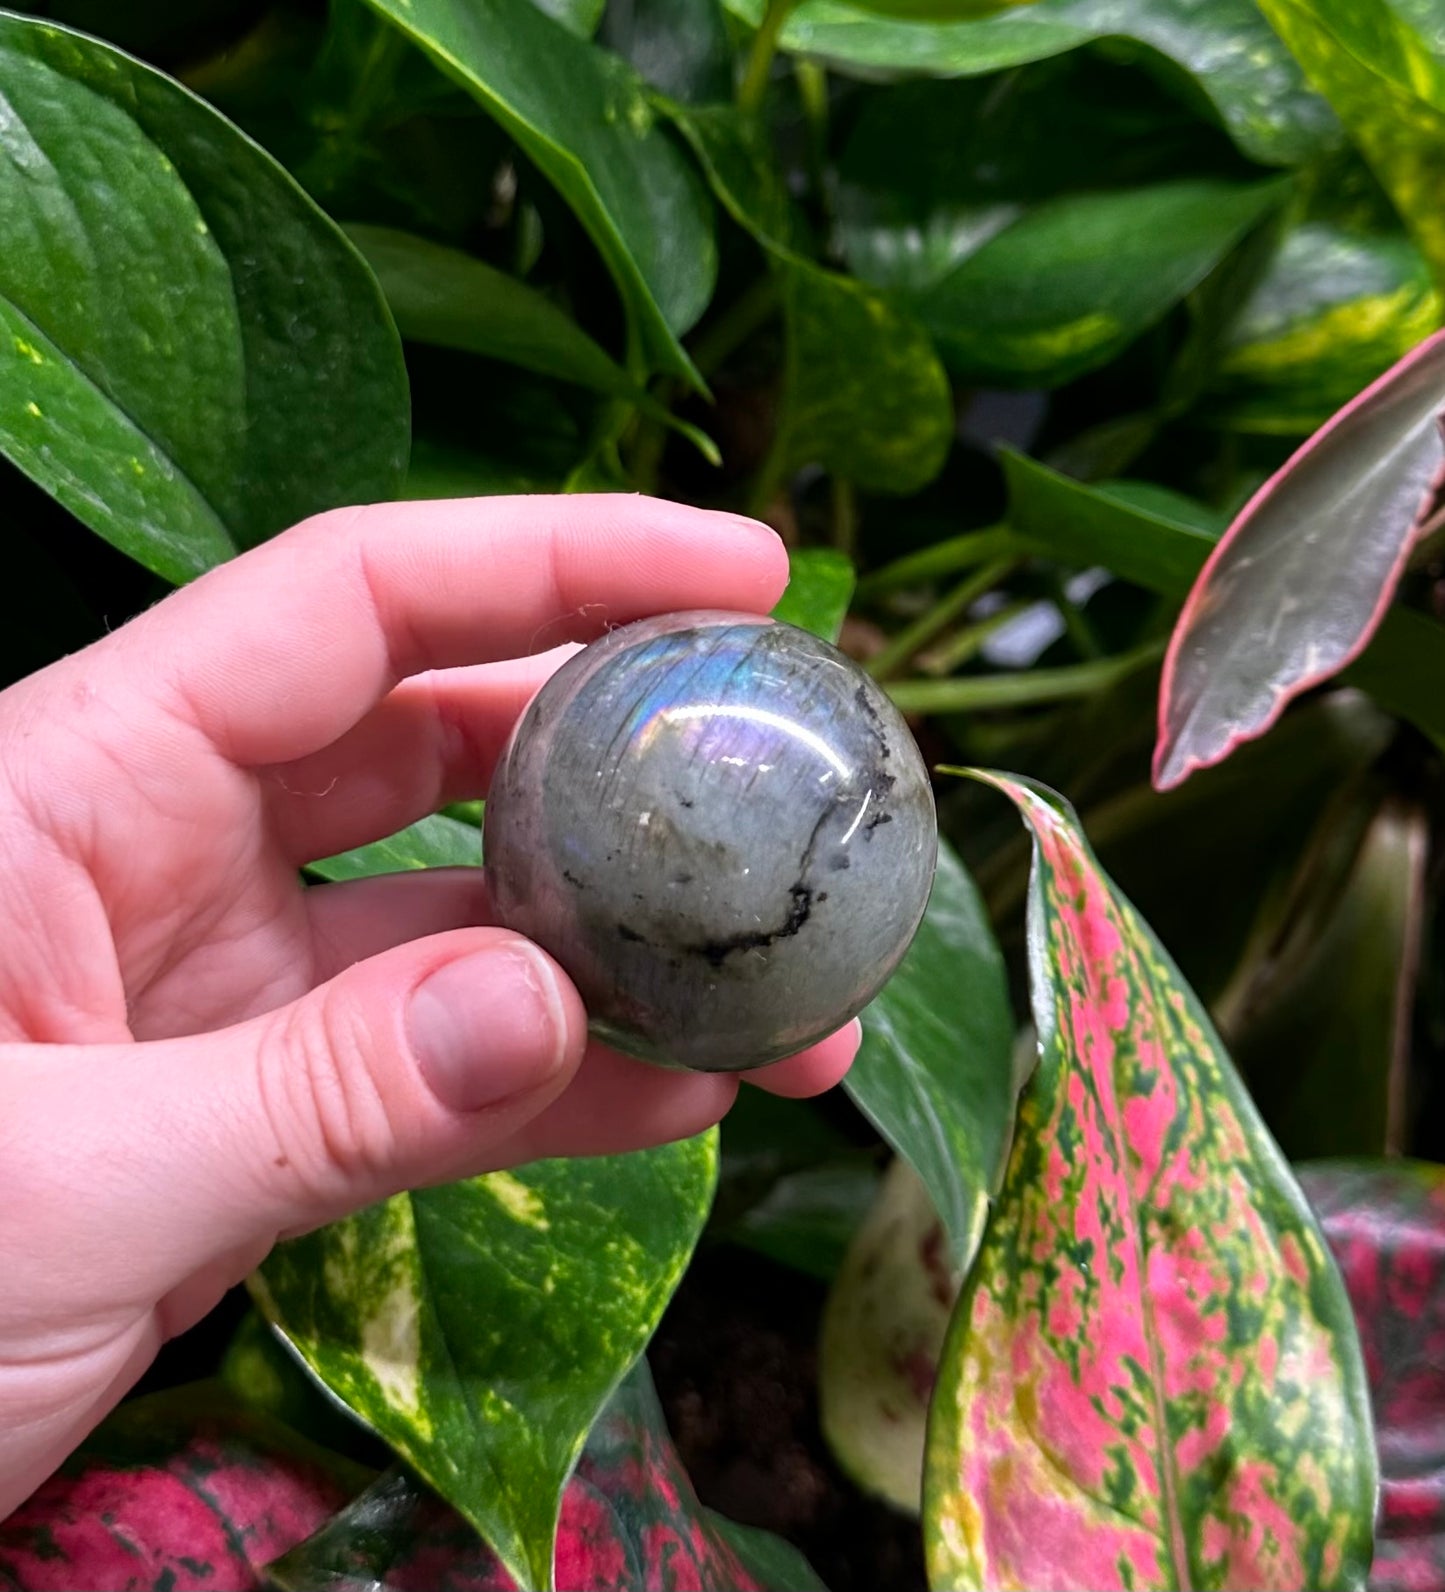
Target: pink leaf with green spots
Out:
[1385,1221]
[1152,1378]
[630,1520]
[185,1492]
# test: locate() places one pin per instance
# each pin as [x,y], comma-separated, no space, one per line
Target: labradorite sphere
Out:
[723,831]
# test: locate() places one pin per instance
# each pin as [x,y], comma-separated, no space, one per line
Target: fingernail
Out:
[487,1027]
[754,528]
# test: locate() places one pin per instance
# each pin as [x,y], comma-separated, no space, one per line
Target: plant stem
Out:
[945,558]
[845,517]
[1023,689]
[923,629]
[754,85]
[752,308]
[963,644]
[1076,621]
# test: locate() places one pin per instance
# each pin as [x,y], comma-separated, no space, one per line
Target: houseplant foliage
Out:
[1087,355]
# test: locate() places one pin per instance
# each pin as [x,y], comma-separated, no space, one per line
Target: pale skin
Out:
[199,1055]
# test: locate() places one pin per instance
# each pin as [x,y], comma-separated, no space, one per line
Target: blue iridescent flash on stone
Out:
[722,829]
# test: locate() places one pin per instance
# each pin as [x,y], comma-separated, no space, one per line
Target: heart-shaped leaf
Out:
[935,1072]
[185,1490]
[585,119]
[1386,1224]
[192,356]
[864,394]
[882,1334]
[1300,581]
[1333,310]
[434,842]
[479,1328]
[1152,1378]
[1385,78]
[1234,59]
[630,1519]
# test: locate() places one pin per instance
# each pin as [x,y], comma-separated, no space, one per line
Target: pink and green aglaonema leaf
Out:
[1302,578]
[1152,1378]
[186,1490]
[1385,1221]
[630,1520]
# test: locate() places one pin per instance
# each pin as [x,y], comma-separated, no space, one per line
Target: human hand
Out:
[197,1054]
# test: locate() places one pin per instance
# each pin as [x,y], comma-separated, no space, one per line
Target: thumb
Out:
[405,1069]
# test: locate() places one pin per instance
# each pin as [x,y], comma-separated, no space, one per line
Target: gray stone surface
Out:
[722,829]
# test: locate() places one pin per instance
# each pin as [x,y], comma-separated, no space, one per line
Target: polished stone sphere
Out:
[721,828]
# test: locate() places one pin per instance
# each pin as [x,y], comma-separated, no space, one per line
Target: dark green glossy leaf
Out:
[1300,581]
[1386,80]
[435,842]
[630,1520]
[585,119]
[820,587]
[882,1334]
[864,394]
[1089,525]
[183,1489]
[1224,45]
[807,1218]
[680,46]
[1385,1221]
[442,296]
[1152,1378]
[1071,282]
[1321,1008]
[260,1371]
[192,357]
[578,16]
[935,1073]
[1333,310]
[479,1328]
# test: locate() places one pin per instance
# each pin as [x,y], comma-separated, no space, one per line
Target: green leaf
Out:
[192,357]
[807,1218]
[1152,1378]
[1385,1221]
[1275,611]
[1074,280]
[630,1519]
[1251,80]
[1093,525]
[585,119]
[935,1073]
[1387,83]
[1322,1008]
[481,1327]
[681,47]
[1333,311]
[864,396]
[434,842]
[882,1334]
[442,296]
[820,587]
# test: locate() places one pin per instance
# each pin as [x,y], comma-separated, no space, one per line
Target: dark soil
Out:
[735,1362]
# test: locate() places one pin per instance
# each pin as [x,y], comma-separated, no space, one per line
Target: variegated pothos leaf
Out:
[1152,1378]
[480,1327]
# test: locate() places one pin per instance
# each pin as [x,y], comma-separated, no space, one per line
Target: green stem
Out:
[771,472]
[845,517]
[965,643]
[1024,689]
[1076,622]
[912,637]
[944,558]
[754,84]
[752,308]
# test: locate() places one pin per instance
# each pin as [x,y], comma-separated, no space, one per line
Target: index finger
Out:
[279,652]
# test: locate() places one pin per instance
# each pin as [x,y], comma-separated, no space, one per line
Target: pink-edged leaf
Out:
[630,1520]
[1385,1221]
[187,1491]
[1300,581]
[1152,1378]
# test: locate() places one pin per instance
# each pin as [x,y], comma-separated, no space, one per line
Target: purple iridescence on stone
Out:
[722,829]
